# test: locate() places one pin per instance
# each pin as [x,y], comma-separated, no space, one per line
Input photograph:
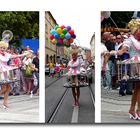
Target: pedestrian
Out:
[36,74]
[125,87]
[28,71]
[51,66]
[74,71]
[57,69]
[111,61]
[5,70]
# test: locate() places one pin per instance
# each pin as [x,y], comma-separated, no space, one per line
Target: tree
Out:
[22,24]
[120,18]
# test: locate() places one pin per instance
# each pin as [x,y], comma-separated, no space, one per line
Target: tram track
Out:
[47,86]
[92,96]
[56,107]
[59,103]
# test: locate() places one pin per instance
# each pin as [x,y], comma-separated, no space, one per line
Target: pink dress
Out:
[4,68]
[74,67]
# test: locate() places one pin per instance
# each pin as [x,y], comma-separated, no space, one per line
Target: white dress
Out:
[75,66]
[4,68]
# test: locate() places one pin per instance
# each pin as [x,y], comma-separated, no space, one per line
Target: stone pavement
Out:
[114,108]
[22,109]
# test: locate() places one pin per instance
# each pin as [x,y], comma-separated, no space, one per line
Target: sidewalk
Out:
[115,108]
[23,109]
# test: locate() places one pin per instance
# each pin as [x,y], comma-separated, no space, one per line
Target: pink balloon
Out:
[62,27]
[60,40]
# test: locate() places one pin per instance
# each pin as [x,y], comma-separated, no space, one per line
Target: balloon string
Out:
[114,23]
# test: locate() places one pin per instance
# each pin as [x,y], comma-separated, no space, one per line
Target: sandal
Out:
[5,106]
[138,115]
[133,115]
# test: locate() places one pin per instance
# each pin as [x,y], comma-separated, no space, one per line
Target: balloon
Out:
[70,40]
[73,36]
[53,31]
[56,27]
[54,41]
[64,41]
[102,18]
[67,36]
[64,31]
[62,27]
[62,36]
[67,43]
[58,44]
[68,28]
[105,14]
[59,30]
[51,37]
[71,32]
[60,40]
[56,35]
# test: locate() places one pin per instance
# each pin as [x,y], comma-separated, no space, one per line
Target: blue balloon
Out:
[67,36]
[53,31]
[58,44]
[56,36]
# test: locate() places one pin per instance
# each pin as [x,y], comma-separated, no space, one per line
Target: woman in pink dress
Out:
[4,72]
[74,70]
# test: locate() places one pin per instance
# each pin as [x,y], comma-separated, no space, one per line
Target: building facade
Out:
[92,46]
[50,49]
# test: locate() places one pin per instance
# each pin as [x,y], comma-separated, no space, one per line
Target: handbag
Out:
[28,71]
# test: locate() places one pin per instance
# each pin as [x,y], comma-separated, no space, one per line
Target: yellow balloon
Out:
[59,30]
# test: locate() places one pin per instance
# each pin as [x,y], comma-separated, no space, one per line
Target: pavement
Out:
[67,114]
[22,109]
[114,108]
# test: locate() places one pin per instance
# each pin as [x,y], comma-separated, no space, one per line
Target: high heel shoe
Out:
[74,104]
[133,116]
[5,107]
[78,104]
[138,115]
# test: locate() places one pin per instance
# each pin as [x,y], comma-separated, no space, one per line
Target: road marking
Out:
[75,115]
[113,110]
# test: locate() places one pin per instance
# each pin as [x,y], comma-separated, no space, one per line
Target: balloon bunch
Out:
[62,36]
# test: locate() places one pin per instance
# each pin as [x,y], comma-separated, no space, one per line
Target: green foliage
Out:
[22,24]
[120,18]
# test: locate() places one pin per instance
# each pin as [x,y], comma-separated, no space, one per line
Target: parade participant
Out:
[134,43]
[74,70]
[4,71]
[133,46]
